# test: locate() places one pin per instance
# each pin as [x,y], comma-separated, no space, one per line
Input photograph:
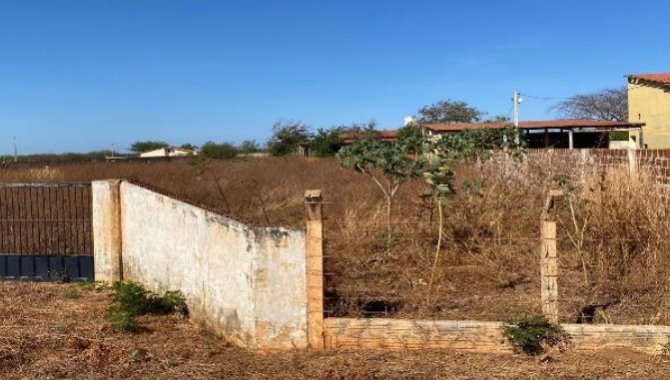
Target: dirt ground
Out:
[46,335]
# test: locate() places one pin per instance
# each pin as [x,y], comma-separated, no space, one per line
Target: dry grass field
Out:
[613,233]
[48,335]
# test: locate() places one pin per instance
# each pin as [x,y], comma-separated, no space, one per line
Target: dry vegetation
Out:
[48,334]
[613,231]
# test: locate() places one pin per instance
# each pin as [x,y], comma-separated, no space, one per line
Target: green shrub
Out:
[122,320]
[216,151]
[619,136]
[533,335]
[130,299]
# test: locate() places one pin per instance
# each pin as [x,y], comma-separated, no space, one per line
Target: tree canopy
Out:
[287,137]
[148,145]
[609,104]
[218,151]
[448,111]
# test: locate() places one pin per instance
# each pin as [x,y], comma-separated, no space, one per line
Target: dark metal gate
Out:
[46,231]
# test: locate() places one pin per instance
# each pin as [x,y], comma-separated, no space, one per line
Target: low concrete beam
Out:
[477,336]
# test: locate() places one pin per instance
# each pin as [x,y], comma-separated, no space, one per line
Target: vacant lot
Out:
[613,233]
[48,335]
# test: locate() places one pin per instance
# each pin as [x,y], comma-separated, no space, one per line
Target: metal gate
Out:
[46,231]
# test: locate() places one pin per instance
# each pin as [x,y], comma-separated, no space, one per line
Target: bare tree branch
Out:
[609,104]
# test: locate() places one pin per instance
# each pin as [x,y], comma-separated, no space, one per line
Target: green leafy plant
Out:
[619,135]
[387,164]
[287,137]
[218,151]
[533,335]
[130,300]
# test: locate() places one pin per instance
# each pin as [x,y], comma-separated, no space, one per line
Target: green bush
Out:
[122,320]
[533,335]
[130,300]
[619,136]
[220,151]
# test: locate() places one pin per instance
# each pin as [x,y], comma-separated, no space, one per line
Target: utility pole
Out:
[516,100]
[16,152]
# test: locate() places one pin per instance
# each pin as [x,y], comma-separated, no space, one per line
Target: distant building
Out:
[570,133]
[168,152]
[649,103]
[348,138]
[566,133]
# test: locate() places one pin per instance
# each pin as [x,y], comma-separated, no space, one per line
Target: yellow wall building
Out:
[649,102]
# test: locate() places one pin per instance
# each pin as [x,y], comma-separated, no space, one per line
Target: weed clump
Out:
[130,300]
[533,335]
[74,290]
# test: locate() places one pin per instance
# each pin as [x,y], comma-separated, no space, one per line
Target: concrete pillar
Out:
[570,139]
[107,240]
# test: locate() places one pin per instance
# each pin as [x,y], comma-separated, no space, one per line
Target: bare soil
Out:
[46,335]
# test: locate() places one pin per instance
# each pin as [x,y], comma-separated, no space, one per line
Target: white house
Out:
[168,152]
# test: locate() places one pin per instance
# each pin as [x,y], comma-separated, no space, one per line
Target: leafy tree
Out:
[325,142]
[609,104]
[387,164]
[413,138]
[188,146]
[287,137]
[249,146]
[146,146]
[213,150]
[447,111]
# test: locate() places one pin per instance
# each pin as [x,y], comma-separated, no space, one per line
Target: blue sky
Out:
[83,75]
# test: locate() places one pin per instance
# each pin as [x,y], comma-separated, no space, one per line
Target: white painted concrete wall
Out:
[246,282]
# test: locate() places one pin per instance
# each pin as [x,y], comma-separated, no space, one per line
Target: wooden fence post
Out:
[314,264]
[548,258]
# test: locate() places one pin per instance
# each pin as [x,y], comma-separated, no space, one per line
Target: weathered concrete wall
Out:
[247,283]
[475,336]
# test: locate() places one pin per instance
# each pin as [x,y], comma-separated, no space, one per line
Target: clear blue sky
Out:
[82,75]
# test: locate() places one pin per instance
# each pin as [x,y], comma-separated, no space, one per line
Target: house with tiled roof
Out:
[649,103]
[561,133]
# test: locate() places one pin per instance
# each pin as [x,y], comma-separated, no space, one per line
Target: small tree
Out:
[213,150]
[388,165]
[249,146]
[326,142]
[188,146]
[146,146]
[287,137]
